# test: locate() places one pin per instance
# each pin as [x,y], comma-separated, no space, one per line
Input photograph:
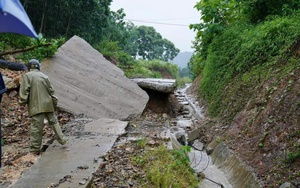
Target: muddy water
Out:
[199,160]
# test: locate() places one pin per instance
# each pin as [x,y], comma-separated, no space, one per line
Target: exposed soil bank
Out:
[259,122]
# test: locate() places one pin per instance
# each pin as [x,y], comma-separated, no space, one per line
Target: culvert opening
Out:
[160,102]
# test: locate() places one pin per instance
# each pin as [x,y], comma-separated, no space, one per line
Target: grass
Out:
[152,69]
[241,53]
[166,168]
[292,156]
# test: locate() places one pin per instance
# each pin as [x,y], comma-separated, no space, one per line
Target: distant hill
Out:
[182,59]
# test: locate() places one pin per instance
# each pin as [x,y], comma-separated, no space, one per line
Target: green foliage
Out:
[184,77]
[43,48]
[125,59]
[18,42]
[67,18]
[180,82]
[33,48]
[217,15]
[152,69]
[184,72]
[239,48]
[108,48]
[259,10]
[165,168]
[219,12]
[113,51]
[116,30]
[146,43]
[182,155]
[196,64]
[292,156]
[99,26]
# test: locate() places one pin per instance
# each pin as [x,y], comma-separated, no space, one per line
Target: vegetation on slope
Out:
[248,63]
[242,48]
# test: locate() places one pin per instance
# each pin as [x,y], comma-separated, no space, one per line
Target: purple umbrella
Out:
[14,19]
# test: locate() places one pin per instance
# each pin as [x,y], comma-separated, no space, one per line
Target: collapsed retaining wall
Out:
[86,83]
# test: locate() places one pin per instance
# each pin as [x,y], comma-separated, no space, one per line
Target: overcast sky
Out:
[178,13]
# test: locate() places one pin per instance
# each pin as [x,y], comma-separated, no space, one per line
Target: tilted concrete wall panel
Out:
[85,82]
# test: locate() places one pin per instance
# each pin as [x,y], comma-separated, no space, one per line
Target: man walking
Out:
[36,91]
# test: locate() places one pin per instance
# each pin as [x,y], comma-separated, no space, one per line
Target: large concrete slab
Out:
[76,162]
[157,84]
[85,82]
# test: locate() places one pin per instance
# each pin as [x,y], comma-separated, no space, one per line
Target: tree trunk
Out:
[43,16]
[69,23]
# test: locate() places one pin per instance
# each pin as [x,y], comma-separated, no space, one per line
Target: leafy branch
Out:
[15,51]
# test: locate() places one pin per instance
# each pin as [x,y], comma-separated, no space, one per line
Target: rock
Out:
[211,146]
[86,83]
[165,115]
[184,123]
[287,185]
[160,85]
[198,145]
[200,175]
[9,83]
[130,184]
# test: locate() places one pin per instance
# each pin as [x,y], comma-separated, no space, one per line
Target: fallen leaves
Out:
[17,166]
[15,127]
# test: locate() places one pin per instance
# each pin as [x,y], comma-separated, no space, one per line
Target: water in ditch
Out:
[200,161]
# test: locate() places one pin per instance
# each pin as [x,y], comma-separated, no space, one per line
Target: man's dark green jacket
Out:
[37,92]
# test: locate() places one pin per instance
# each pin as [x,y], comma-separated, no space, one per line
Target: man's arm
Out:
[24,90]
[51,91]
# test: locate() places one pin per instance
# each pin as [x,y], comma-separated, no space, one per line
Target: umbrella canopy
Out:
[14,19]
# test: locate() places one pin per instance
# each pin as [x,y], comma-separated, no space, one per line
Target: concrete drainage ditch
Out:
[214,162]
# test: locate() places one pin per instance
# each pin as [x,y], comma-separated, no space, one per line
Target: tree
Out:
[216,15]
[116,29]
[87,19]
[259,10]
[184,72]
[146,43]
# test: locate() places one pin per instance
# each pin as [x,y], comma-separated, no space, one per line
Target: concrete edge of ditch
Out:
[238,173]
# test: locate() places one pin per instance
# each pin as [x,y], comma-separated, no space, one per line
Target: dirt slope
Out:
[260,122]
[15,134]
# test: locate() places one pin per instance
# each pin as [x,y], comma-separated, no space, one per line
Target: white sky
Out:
[180,12]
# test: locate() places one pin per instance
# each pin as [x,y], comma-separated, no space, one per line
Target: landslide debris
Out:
[15,128]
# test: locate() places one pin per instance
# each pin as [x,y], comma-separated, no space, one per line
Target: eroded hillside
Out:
[260,120]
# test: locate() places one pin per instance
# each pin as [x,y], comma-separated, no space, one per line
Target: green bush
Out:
[292,156]
[33,48]
[152,69]
[167,168]
[240,48]
[180,82]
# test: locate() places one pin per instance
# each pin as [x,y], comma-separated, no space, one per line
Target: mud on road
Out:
[16,125]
